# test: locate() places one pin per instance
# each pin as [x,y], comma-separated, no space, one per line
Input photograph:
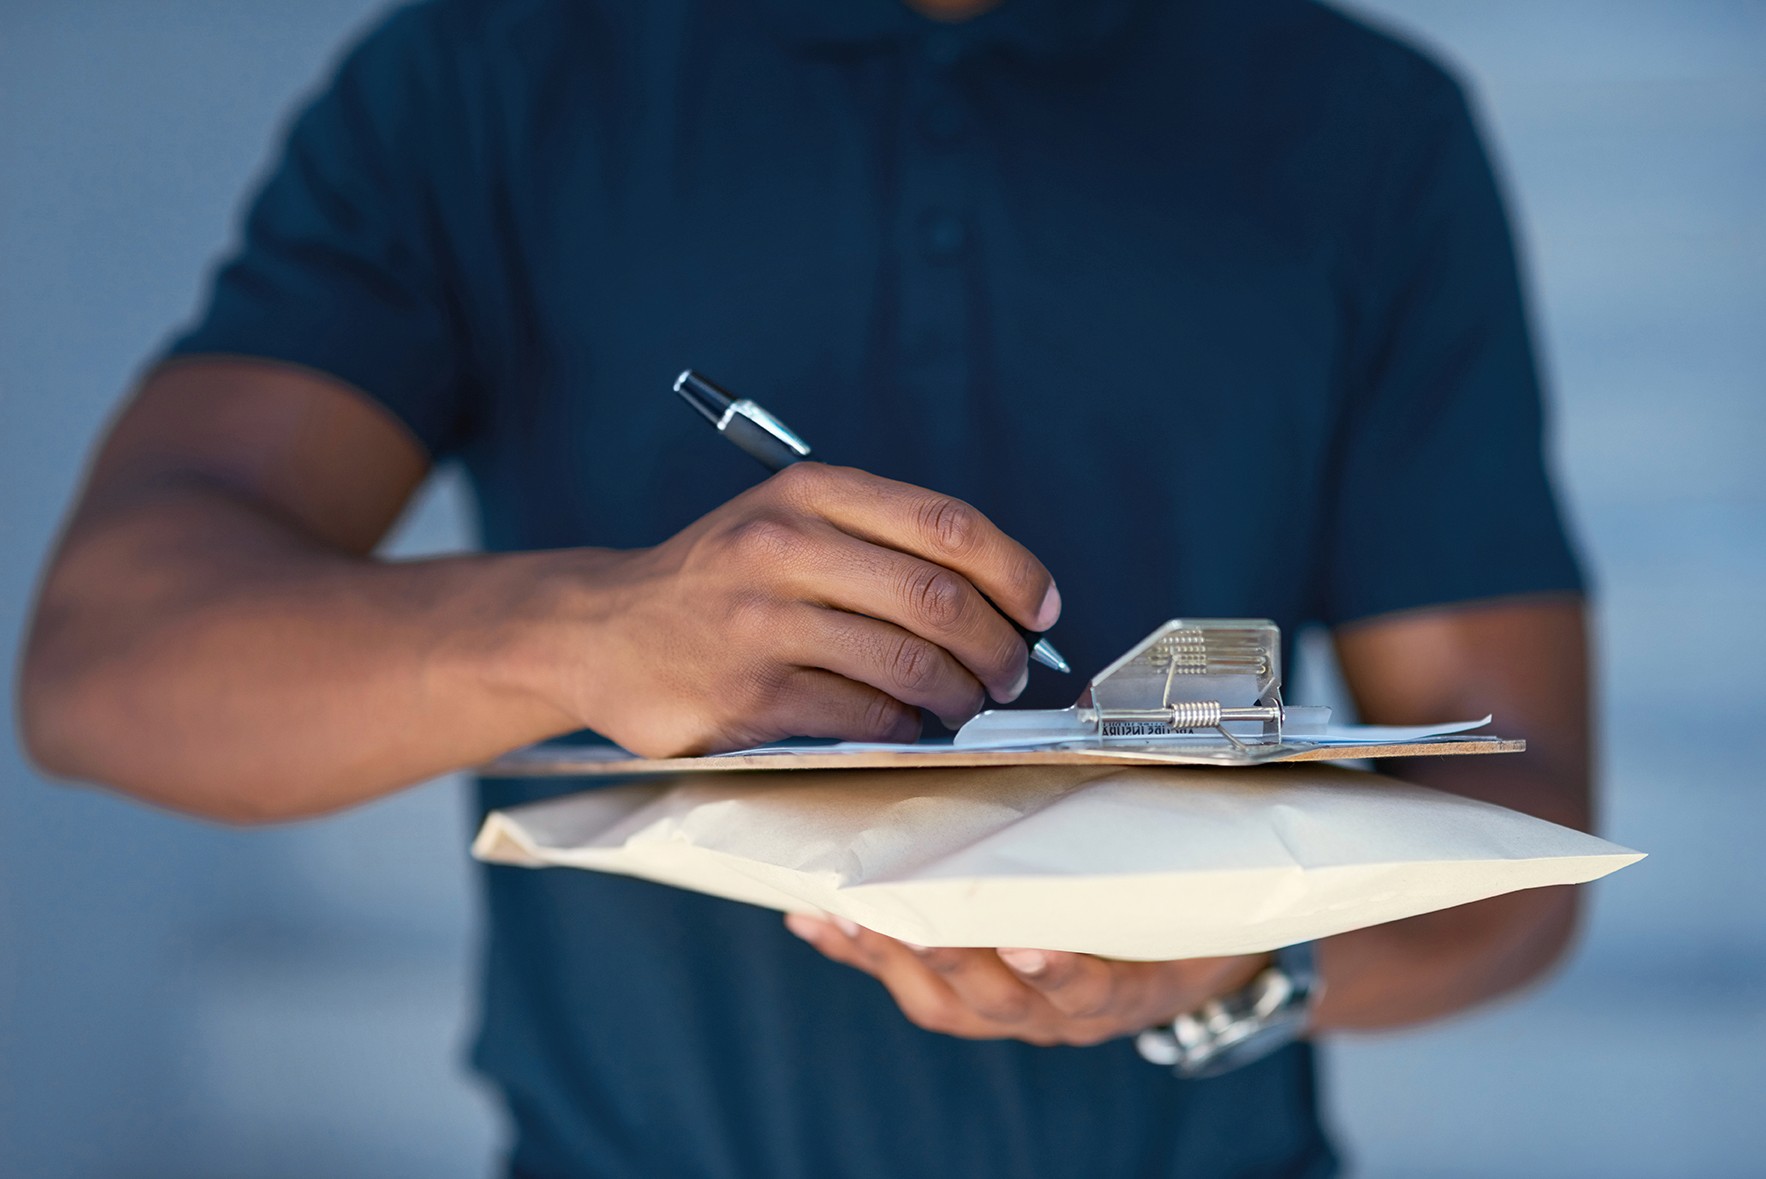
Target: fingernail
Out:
[1025,961]
[846,926]
[1018,686]
[1050,610]
[805,926]
[916,947]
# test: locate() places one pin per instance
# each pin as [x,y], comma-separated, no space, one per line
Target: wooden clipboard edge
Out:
[600,760]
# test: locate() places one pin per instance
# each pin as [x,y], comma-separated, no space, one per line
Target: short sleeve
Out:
[1440,491]
[339,267]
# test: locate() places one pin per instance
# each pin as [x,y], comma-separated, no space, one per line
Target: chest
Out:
[1074,304]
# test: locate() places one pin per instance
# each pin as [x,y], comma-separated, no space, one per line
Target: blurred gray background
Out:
[177,999]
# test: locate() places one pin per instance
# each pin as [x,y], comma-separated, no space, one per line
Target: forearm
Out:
[1431,966]
[1413,971]
[194,651]
[212,634]
[1526,661]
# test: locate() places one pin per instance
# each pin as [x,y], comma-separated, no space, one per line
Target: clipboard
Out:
[1194,692]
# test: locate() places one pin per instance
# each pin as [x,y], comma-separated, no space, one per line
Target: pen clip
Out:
[720,409]
[767,422]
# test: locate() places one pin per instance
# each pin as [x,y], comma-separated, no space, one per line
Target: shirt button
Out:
[943,233]
[943,123]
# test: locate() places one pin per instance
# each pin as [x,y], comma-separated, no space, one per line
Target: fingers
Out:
[825,602]
[808,561]
[1130,995]
[892,660]
[955,992]
[1077,985]
[983,984]
[920,994]
[934,527]
[1041,997]
[937,604]
[814,703]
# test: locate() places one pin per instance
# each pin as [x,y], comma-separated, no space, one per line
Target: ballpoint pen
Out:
[777,446]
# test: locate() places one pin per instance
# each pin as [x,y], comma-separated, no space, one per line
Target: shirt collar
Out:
[1038,30]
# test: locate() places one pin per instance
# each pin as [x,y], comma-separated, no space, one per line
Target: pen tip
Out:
[1044,653]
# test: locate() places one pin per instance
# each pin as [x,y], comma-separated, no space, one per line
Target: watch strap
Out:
[1269,1012]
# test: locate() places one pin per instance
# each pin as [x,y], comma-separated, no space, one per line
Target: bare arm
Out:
[215,635]
[1527,662]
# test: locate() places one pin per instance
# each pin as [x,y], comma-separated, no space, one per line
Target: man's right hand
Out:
[214,633]
[825,602]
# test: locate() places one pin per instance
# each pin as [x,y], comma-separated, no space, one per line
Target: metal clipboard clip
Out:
[1209,681]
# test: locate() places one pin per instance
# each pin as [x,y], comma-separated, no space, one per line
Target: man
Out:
[1194,307]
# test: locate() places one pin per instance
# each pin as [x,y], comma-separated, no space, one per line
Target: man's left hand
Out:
[1042,997]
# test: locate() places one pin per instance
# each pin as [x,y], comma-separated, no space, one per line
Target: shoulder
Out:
[1337,115]
[446,41]
[1317,73]
[1323,48]
[453,75]
[505,57]
[498,27]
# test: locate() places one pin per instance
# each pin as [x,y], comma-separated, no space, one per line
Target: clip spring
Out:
[1185,716]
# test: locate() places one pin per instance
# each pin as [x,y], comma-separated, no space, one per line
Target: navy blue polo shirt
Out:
[1211,303]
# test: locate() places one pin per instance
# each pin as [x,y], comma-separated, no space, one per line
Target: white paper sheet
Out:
[1144,863]
[1389,734]
[1337,735]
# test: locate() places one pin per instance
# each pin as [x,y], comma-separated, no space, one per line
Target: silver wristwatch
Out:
[1272,1010]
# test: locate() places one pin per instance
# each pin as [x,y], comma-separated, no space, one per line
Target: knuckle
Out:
[1028,573]
[1088,1007]
[752,613]
[1005,1008]
[757,691]
[881,717]
[942,961]
[937,595]
[759,628]
[932,1015]
[1009,653]
[766,539]
[865,950]
[914,664]
[801,483]
[950,525]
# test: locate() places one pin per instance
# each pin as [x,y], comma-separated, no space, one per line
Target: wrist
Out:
[523,628]
[1243,970]
[1236,1027]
